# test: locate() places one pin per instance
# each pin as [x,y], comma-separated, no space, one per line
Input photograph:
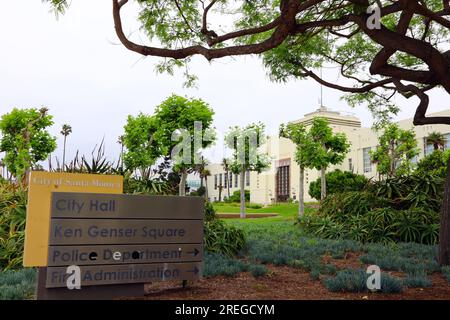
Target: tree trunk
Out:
[64,153]
[206,188]
[228,184]
[220,193]
[182,186]
[323,184]
[301,195]
[444,232]
[242,181]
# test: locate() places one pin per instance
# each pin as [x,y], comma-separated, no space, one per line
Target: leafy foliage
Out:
[142,149]
[17,285]
[25,139]
[396,148]
[236,196]
[350,280]
[434,163]
[222,238]
[218,264]
[397,209]
[12,225]
[339,181]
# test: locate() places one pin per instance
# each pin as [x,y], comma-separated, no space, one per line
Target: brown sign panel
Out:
[106,231]
[121,206]
[123,254]
[130,273]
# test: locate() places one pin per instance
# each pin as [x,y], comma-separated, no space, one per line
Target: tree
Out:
[65,131]
[188,120]
[204,173]
[142,149]
[226,167]
[396,148]
[245,143]
[339,181]
[433,163]
[324,149]
[437,139]
[298,135]
[384,49]
[120,141]
[25,139]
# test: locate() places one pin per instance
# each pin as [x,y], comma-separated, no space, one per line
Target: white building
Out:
[281,181]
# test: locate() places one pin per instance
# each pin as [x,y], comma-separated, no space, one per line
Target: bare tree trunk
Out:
[206,188]
[242,180]
[301,193]
[323,184]
[228,184]
[64,153]
[444,232]
[182,186]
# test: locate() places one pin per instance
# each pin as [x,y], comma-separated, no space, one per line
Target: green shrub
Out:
[363,217]
[390,284]
[253,206]
[210,212]
[12,226]
[446,272]
[17,285]
[347,280]
[337,182]
[218,264]
[222,238]
[350,280]
[435,163]
[236,196]
[417,280]
[258,270]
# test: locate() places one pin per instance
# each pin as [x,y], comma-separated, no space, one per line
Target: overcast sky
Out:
[76,68]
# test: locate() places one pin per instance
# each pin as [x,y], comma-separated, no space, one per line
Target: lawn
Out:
[285,211]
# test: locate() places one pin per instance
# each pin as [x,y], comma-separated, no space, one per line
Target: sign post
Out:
[121,239]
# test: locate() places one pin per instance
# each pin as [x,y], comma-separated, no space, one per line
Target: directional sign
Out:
[83,205]
[130,273]
[124,254]
[124,239]
[107,231]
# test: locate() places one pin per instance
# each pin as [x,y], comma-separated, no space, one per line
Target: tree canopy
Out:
[381,47]
[396,148]
[25,138]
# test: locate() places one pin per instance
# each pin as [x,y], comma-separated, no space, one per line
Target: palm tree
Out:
[66,130]
[437,139]
[226,167]
[205,174]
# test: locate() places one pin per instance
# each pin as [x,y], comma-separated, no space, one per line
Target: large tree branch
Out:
[278,36]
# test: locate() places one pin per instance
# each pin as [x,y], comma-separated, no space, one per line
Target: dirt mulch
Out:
[288,284]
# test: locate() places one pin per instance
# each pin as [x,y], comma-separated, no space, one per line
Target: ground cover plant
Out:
[399,209]
[280,243]
[17,285]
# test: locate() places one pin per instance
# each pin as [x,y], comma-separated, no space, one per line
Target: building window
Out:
[236,180]
[282,183]
[428,148]
[247,178]
[225,184]
[215,182]
[220,179]
[231,180]
[350,164]
[367,162]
